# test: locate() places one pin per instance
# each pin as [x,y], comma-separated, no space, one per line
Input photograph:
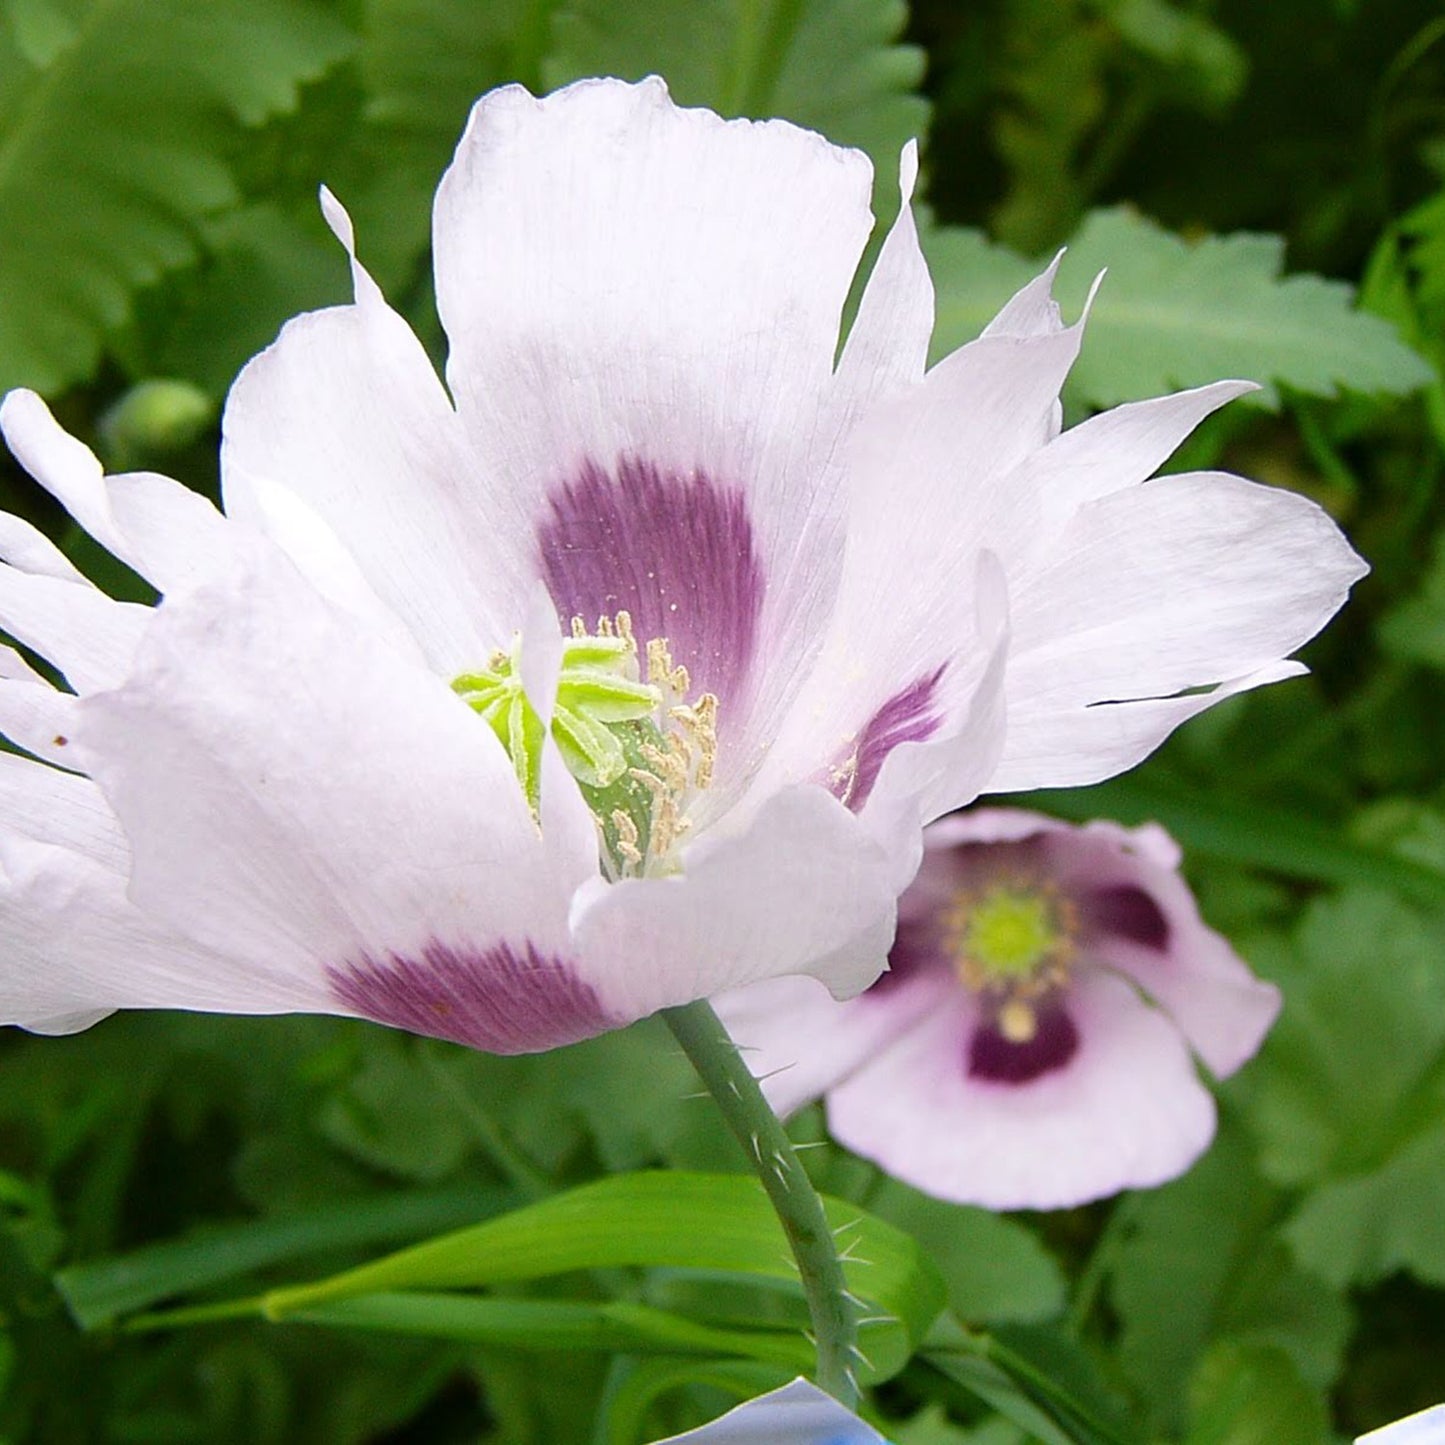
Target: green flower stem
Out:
[834,1311]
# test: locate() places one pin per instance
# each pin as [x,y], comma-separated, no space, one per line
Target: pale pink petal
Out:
[925,471]
[1187,580]
[72,945]
[1114,450]
[345,412]
[1146,924]
[888,341]
[167,533]
[800,1042]
[298,794]
[88,636]
[1125,1110]
[644,305]
[1069,747]
[805,888]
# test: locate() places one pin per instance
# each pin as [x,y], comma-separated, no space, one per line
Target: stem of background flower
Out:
[834,1311]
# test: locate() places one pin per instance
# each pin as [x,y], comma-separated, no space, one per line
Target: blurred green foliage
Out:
[1242,170]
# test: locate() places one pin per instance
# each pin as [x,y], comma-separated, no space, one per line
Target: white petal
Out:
[1427,1427]
[72,946]
[315,549]
[1071,747]
[646,300]
[88,636]
[1125,1112]
[38,718]
[298,794]
[345,412]
[1187,580]
[926,469]
[888,342]
[1031,311]
[1116,449]
[164,531]
[803,890]
[29,550]
[619,275]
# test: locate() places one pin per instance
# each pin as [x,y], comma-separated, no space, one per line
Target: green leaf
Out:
[1173,314]
[260,266]
[1246,1395]
[100,194]
[1414,630]
[1198,1261]
[1037,1400]
[1051,64]
[995,1268]
[1204,63]
[1364,1005]
[424,63]
[100,1291]
[671,1220]
[1361,1230]
[390,1118]
[832,65]
[555,1325]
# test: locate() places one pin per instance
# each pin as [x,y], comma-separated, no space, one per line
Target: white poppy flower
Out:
[625,667]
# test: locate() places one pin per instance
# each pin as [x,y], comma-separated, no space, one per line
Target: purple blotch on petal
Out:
[1001,1061]
[907,717]
[675,551]
[1126,911]
[498,999]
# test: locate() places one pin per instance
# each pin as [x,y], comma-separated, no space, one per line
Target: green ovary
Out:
[1008,934]
[635,752]
[596,701]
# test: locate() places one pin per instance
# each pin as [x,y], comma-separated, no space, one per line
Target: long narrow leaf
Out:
[101,1291]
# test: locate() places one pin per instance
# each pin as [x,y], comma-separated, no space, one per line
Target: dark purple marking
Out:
[1001,1061]
[1126,911]
[907,717]
[675,551]
[494,999]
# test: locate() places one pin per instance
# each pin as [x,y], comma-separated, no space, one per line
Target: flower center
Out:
[638,750]
[1012,943]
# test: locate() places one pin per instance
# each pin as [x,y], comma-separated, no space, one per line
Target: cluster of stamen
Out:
[1012,943]
[638,749]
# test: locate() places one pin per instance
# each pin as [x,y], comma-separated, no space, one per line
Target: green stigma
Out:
[635,750]
[1009,934]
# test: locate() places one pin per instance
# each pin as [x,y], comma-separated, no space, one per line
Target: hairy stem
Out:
[834,1312]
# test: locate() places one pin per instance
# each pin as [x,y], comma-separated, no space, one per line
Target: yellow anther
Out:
[670,763]
[1017,1021]
[627,836]
[650,781]
[624,629]
[604,627]
[844,779]
[579,627]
